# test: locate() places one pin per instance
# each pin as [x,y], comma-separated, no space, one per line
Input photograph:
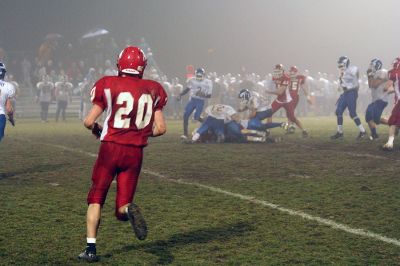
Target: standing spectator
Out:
[63,94]
[44,92]
[26,66]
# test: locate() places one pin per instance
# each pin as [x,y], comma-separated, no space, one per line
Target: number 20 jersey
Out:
[130,104]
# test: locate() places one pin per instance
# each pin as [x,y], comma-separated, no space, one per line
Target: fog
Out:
[221,35]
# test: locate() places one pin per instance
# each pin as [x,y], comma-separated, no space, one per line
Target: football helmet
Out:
[2,70]
[375,65]
[396,63]
[200,73]
[132,60]
[244,94]
[278,71]
[343,62]
[293,71]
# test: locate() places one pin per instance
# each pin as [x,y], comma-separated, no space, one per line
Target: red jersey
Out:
[295,84]
[394,75]
[284,80]
[130,103]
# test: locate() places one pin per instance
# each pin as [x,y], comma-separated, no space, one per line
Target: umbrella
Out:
[53,36]
[95,33]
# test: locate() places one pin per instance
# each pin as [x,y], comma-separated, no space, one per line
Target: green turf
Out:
[43,200]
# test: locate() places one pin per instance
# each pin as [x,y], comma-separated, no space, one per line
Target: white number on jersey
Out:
[144,110]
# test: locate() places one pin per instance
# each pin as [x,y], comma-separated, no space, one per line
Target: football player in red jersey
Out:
[297,82]
[394,119]
[133,113]
[284,99]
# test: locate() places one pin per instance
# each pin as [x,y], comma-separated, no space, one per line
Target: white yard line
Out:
[327,222]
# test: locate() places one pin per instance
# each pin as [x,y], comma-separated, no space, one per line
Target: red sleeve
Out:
[97,94]
[161,99]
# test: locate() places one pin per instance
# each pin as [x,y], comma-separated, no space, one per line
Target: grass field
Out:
[205,204]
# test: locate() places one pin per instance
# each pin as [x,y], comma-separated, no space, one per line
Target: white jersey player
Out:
[200,89]
[377,79]
[7,92]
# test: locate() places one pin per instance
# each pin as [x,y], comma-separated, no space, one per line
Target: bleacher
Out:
[27,107]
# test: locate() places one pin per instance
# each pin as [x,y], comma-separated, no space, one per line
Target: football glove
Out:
[11,119]
[96,130]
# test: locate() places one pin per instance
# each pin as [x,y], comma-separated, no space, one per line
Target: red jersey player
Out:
[133,113]
[394,119]
[297,83]
[284,99]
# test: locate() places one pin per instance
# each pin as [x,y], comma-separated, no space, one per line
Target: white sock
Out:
[126,210]
[390,141]
[340,128]
[91,240]
[362,129]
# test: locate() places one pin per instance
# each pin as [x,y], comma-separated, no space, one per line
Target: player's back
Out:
[130,103]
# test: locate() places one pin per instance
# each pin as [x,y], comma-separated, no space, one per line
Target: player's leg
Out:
[58,110]
[217,126]
[290,107]
[369,118]
[64,109]
[340,107]
[394,123]
[202,129]
[294,102]
[352,106]
[199,109]
[102,176]
[233,132]
[130,164]
[190,106]
[2,126]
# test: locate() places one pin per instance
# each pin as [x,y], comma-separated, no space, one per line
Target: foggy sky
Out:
[256,34]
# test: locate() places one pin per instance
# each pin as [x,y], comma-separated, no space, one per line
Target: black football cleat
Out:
[362,135]
[137,221]
[387,147]
[338,135]
[88,256]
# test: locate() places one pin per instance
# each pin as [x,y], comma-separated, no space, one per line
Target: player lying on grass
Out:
[222,124]
[133,113]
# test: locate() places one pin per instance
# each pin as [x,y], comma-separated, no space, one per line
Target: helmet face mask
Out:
[244,95]
[2,71]
[343,62]
[293,71]
[200,74]
[278,71]
[375,65]
[396,63]
[131,61]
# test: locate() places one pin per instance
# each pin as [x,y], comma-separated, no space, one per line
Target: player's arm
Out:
[389,86]
[90,120]
[159,125]
[183,93]
[306,89]
[10,111]
[281,89]
[252,113]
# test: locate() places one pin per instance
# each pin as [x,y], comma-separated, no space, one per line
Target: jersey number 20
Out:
[144,110]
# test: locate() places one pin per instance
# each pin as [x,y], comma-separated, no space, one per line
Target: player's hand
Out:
[96,130]
[309,100]
[11,119]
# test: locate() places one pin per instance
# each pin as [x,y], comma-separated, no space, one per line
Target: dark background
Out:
[256,34]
